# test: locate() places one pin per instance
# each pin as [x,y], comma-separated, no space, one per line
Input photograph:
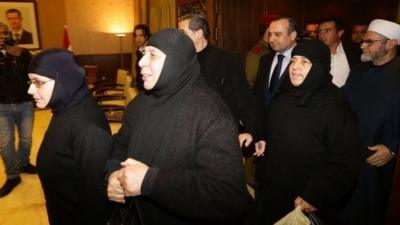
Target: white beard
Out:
[366,58]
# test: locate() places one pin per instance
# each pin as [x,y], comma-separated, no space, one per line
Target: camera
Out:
[9,42]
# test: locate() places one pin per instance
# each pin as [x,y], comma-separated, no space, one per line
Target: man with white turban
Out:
[373,90]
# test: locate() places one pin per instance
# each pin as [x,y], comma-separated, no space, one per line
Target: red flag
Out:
[66,43]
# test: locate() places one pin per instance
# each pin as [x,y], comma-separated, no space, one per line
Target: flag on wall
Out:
[66,42]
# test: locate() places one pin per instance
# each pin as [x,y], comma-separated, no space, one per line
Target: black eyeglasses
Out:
[369,42]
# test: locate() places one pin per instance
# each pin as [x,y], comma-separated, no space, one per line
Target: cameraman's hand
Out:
[14,50]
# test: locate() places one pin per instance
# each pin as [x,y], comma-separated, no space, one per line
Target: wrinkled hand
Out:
[260,148]
[115,191]
[381,156]
[14,50]
[246,139]
[305,206]
[131,176]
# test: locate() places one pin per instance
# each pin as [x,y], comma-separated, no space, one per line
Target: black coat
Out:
[14,76]
[71,162]
[312,152]
[200,179]
[224,73]
[138,78]
[374,94]
[353,53]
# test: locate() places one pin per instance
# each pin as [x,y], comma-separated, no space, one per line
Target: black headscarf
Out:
[59,64]
[155,114]
[319,75]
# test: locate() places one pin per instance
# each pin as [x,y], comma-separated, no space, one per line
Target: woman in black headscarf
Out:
[312,140]
[181,159]
[76,145]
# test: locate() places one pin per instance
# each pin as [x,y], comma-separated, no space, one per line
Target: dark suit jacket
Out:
[224,73]
[261,84]
[353,53]
[26,38]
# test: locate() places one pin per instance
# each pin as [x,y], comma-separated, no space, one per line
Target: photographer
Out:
[16,110]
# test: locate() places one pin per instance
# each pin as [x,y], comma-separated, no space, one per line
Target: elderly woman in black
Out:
[312,143]
[77,142]
[177,151]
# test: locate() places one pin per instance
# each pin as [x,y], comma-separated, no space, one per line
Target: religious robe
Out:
[374,94]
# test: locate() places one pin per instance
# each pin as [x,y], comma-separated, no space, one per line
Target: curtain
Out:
[162,14]
[157,14]
[140,15]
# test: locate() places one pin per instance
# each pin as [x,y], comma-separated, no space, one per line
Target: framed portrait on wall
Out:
[22,22]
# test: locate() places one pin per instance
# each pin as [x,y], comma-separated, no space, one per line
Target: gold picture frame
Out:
[22,21]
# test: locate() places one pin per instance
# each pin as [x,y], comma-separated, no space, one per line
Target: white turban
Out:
[386,28]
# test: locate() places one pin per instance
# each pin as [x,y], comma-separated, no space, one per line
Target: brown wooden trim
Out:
[107,64]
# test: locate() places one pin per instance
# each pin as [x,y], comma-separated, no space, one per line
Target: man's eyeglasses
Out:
[369,42]
[37,83]
[327,30]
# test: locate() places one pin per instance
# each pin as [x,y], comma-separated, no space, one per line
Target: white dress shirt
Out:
[339,66]
[285,62]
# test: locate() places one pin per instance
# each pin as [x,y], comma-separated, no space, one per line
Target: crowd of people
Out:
[322,116]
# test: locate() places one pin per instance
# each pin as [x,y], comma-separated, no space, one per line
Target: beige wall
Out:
[91,24]
[51,22]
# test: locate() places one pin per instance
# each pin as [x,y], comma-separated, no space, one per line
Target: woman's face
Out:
[41,88]
[298,70]
[151,66]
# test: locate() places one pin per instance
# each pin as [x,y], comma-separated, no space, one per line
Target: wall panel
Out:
[240,18]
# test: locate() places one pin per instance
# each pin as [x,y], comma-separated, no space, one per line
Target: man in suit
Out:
[262,48]
[223,72]
[272,72]
[17,33]
[282,39]
[343,56]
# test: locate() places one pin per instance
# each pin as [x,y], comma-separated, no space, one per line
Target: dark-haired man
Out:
[271,74]
[141,34]
[311,30]
[343,56]
[223,72]
[273,66]
[16,112]
[358,32]
[18,34]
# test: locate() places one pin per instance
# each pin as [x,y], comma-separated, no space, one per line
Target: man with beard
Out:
[373,90]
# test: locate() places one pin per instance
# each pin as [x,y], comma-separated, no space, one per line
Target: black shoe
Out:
[9,186]
[29,168]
